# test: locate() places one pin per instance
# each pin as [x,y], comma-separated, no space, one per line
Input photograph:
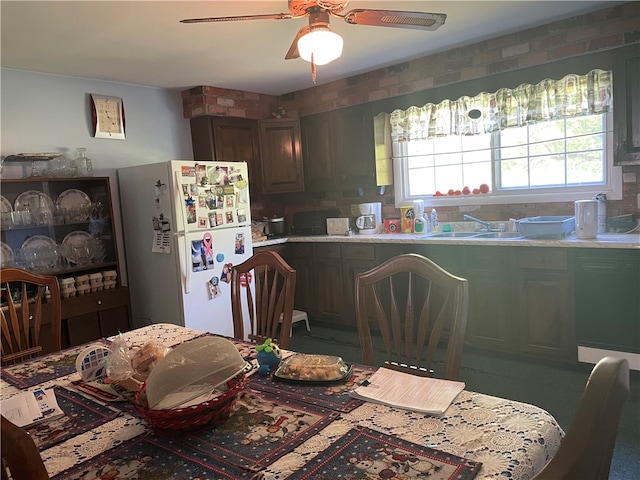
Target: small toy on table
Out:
[269,356]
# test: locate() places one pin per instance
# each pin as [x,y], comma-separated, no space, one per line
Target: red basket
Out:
[211,413]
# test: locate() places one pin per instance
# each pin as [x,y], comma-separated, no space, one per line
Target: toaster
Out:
[339,226]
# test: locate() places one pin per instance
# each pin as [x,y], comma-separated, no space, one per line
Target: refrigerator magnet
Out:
[220,257]
[225,276]
[202,222]
[212,219]
[239,248]
[242,217]
[214,288]
[245,279]
[188,171]
[201,174]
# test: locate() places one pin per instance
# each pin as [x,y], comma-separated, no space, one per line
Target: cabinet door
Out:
[95,315]
[318,153]
[545,304]
[626,78]
[489,323]
[301,261]
[228,139]
[280,156]
[354,151]
[356,259]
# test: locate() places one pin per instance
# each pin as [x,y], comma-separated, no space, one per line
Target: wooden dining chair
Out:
[26,307]
[20,457]
[275,286]
[586,450]
[413,304]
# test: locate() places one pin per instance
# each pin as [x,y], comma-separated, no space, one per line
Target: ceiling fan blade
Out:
[293,49]
[269,16]
[395,18]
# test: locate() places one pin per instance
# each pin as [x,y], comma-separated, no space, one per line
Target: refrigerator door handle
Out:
[179,202]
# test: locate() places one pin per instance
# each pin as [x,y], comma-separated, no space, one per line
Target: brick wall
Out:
[602,30]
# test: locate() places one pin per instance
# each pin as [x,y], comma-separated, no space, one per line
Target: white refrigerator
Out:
[186,224]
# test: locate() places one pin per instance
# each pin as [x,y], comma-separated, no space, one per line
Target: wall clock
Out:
[107,115]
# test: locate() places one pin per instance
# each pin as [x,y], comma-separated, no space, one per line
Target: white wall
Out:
[51,113]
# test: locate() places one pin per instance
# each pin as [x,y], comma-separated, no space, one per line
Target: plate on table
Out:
[5,205]
[31,200]
[7,257]
[72,198]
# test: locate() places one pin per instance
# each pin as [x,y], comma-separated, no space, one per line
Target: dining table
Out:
[277,430]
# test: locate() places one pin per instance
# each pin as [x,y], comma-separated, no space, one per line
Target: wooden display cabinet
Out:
[63,222]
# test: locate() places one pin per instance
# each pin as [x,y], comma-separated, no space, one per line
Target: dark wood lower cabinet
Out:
[545,315]
[490,322]
[520,298]
[95,315]
[544,310]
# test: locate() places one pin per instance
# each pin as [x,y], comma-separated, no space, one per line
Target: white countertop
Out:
[604,240]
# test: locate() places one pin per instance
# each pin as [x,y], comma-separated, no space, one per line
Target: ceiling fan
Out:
[317,43]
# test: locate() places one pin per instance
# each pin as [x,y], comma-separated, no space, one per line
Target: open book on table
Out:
[409,392]
[30,408]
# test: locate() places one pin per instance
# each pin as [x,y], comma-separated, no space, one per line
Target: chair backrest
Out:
[586,450]
[414,304]
[22,317]
[20,457]
[275,286]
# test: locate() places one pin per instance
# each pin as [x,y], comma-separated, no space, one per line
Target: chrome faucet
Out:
[487,225]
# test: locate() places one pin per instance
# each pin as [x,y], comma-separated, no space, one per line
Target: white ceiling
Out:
[143,43]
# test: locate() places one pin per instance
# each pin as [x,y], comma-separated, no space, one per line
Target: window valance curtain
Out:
[571,96]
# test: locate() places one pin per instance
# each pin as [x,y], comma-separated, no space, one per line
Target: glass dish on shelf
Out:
[79,248]
[39,252]
[7,258]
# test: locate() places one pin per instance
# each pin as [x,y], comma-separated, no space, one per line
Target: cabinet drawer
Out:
[486,258]
[302,250]
[326,250]
[543,259]
[358,252]
[93,302]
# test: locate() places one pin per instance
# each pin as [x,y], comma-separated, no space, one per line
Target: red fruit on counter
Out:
[438,194]
[476,191]
[466,191]
[457,192]
[484,188]
[451,192]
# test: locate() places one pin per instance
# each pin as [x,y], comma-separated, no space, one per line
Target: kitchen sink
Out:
[498,235]
[451,235]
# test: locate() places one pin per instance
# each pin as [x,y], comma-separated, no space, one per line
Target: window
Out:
[521,156]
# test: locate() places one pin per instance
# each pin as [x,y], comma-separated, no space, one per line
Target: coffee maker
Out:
[370,219]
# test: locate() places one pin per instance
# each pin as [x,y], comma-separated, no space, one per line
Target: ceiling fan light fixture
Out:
[322,43]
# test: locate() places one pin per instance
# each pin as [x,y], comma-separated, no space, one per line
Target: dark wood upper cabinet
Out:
[228,139]
[281,155]
[354,150]
[317,151]
[338,149]
[626,98]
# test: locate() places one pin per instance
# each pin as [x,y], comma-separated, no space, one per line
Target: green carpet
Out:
[557,388]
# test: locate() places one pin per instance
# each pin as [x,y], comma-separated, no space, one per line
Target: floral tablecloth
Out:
[487,436]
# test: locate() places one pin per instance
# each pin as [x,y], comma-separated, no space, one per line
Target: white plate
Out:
[5,205]
[32,199]
[79,247]
[72,198]
[7,257]
[38,241]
